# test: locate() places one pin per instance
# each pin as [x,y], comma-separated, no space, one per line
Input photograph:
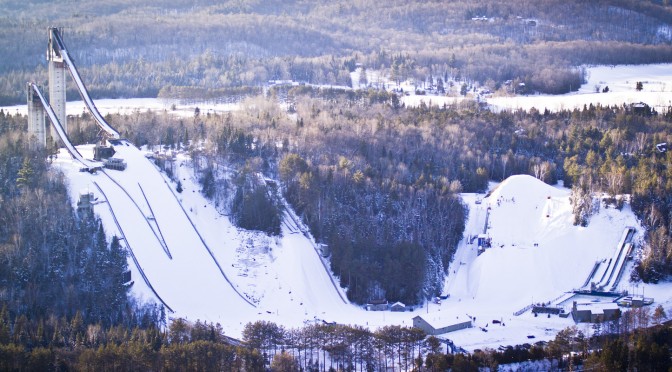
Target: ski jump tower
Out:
[37,125]
[60,64]
[37,130]
[57,75]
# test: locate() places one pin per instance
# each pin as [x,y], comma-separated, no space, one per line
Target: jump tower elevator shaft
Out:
[57,75]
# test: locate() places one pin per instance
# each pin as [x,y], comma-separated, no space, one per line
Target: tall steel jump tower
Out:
[57,75]
[36,120]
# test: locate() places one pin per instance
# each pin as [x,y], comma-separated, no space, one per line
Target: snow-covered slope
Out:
[537,255]
[169,249]
[196,261]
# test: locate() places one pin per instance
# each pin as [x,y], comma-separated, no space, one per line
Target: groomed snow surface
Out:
[537,256]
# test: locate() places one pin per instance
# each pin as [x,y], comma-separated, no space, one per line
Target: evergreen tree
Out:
[363,81]
[26,176]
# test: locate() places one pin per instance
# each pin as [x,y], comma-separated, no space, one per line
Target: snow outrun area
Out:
[202,267]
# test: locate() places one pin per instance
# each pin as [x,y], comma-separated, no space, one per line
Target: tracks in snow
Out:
[130,249]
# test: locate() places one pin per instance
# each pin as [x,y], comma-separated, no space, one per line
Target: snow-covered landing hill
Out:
[537,255]
[212,270]
[535,247]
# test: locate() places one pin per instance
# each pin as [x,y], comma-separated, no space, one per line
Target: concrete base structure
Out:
[37,131]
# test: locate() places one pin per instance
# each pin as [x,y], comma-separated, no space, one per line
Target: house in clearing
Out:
[641,108]
[377,305]
[432,327]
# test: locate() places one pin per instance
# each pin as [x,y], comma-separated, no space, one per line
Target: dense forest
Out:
[178,48]
[638,341]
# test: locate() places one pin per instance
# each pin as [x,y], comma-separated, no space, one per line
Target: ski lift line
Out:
[159,239]
[130,250]
[165,245]
[208,248]
[59,129]
[83,92]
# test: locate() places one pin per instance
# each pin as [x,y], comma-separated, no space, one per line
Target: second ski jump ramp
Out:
[190,281]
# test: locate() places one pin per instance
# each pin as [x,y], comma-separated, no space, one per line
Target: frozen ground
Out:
[537,255]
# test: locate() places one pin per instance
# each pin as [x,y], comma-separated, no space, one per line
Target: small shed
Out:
[85,204]
[398,306]
[323,249]
[433,327]
[483,241]
[641,108]
[635,301]
[101,152]
[377,305]
[115,163]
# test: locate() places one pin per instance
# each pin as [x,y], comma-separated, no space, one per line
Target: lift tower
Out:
[57,75]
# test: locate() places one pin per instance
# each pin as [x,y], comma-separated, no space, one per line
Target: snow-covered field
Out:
[537,255]
[126,106]
[621,80]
